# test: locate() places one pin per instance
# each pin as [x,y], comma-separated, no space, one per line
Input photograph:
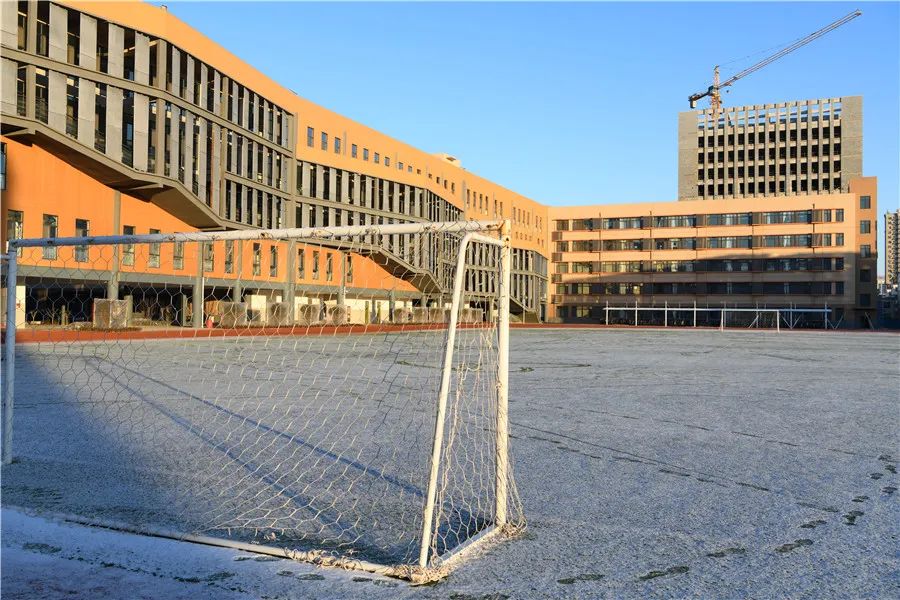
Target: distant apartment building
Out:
[800,251]
[763,150]
[892,247]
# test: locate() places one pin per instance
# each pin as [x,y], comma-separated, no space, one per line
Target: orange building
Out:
[808,254]
[117,117]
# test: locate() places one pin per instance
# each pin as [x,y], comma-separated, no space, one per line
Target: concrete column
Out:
[162,59]
[189,151]
[216,167]
[112,285]
[87,49]
[59,25]
[114,101]
[116,62]
[141,134]
[173,142]
[87,98]
[141,58]
[8,81]
[160,136]
[175,59]
[200,150]
[189,91]
[56,91]
[9,25]
[31,26]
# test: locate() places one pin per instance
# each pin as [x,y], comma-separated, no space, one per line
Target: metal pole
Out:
[695,313]
[825,315]
[503,378]
[778,321]
[666,317]
[9,355]
[440,416]
[607,312]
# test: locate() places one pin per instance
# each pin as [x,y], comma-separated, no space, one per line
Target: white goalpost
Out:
[337,395]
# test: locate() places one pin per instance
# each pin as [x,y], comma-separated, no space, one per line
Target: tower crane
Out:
[715,98]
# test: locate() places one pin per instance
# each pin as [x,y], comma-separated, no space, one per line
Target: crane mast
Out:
[714,91]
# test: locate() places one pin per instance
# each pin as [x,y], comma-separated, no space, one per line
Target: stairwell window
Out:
[310,137]
[865,226]
[273,261]
[82,229]
[865,202]
[15,226]
[257,259]
[178,255]
[229,256]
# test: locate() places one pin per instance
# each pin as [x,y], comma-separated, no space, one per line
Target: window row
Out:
[783,169]
[711,220]
[760,187]
[338,146]
[823,111]
[761,137]
[700,243]
[737,265]
[756,288]
[783,152]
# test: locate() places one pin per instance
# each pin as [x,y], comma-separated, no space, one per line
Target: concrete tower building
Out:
[801,147]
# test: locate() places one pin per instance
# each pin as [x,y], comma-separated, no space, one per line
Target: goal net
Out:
[335,394]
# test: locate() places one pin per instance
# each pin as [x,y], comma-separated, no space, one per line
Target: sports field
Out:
[666,463]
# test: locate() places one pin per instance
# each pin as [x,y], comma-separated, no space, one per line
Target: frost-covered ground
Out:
[651,464]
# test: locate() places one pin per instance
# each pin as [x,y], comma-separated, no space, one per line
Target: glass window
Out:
[82,229]
[153,256]
[839,215]
[353,150]
[377,158]
[329,267]
[865,251]
[337,145]
[257,258]
[365,154]
[315,264]
[229,256]
[273,261]
[324,141]
[865,202]
[178,255]
[15,226]
[310,137]
[51,230]
[301,263]
[128,249]
[865,227]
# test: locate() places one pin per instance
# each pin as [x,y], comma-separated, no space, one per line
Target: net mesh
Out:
[277,392]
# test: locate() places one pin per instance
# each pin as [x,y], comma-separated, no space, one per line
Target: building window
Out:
[229,256]
[310,137]
[377,158]
[353,150]
[82,229]
[365,154]
[51,229]
[839,215]
[324,144]
[865,226]
[128,249]
[865,275]
[349,263]
[337,145]
[387,161]
[839,239]
[315,264]
[865,299]
[15,226]
[865,202]
[301,263]
[329,267]
[153,257]
[209,256]
[257,258]
[273,261]
[178,255]
[865,251]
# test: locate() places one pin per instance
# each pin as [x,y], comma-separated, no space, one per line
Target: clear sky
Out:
[566,103]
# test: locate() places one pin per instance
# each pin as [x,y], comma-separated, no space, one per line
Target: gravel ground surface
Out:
[651,463]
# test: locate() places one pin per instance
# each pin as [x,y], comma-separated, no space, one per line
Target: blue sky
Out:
[567,103]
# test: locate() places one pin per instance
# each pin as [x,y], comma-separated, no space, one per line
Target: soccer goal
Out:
[336,395]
